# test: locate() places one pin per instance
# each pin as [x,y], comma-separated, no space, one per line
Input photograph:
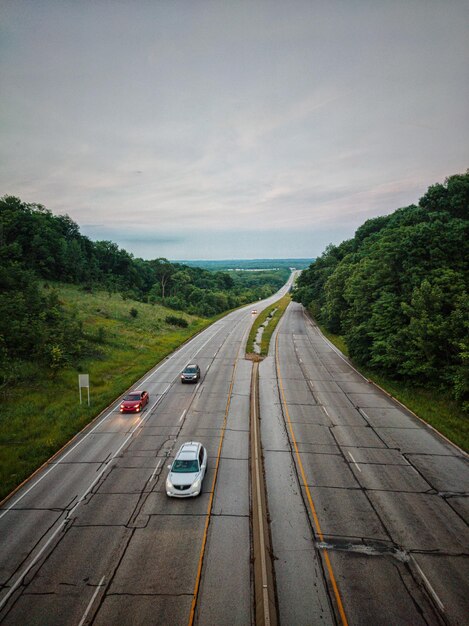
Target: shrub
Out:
[133,312]
[173,320]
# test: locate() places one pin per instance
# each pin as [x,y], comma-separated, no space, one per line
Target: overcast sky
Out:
[195,129]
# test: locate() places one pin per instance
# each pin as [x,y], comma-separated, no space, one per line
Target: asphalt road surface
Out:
[93,538]
[361,494]
[368,507]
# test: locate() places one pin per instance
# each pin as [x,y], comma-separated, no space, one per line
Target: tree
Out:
[452,197]
[398,290]
[163,271]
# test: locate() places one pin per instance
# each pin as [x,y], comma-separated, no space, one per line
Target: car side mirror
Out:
[169,466]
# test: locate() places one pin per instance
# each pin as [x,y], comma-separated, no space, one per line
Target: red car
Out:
[134,401]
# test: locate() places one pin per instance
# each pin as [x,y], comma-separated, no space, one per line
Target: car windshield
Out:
[182,466]
[133,397]
[190,370]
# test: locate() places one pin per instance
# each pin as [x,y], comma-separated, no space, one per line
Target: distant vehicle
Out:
[254,312]
[187,471]
[134,401]
[191,373]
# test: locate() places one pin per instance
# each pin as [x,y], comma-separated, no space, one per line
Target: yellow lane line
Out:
[317,526]
[209,508]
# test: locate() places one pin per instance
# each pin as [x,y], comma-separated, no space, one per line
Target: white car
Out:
[187,471]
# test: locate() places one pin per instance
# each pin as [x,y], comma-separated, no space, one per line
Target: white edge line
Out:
[106,467]
[105,417]
[56,464]
[153,405]
[428,585]
[180,349]
[4,600]
[100,584]
[52,537]
[356,464]
[389,395]
[364,414]
[160,395]
[182,414]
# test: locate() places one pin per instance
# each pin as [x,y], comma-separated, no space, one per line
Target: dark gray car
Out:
[191,373]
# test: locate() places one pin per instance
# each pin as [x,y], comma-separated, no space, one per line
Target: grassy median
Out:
[274,312]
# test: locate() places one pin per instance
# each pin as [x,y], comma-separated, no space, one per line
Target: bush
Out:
[173,320]
[133,312]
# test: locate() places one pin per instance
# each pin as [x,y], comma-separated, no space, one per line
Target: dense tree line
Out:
[53,248]
[398,291]
[34,325]
[37,247]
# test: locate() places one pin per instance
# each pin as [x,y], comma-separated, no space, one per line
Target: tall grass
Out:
[40,413]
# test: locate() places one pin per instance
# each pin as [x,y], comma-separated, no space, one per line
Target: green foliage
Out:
[453,197]
[101,334]
[41,407]
[435,407]
[56,359]
[34,324]
[276,315]
[173,320]
[53,249]
[398,291]
[251,265]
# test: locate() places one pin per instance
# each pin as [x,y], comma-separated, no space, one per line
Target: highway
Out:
[368,507]
[93,538]
[361,494]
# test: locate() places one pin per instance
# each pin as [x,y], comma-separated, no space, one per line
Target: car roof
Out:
[136,391]
[191,365]
[189,450]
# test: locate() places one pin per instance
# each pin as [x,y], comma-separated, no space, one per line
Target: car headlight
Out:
[169,484]
[196,484]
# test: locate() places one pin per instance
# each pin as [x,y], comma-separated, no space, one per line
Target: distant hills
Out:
[249,264]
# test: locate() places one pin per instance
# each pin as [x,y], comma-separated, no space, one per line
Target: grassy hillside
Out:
[40,413]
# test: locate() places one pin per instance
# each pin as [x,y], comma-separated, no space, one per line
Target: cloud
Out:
[250,127]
